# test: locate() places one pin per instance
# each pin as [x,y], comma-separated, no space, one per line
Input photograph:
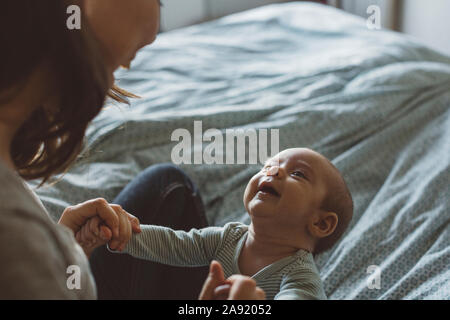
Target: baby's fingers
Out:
[99,229]
[215,278]
[125,229]
[260,294]
[105,233]
[94,225]
[222,292]
[244,288]
[94,233]
[78,237]
[135,224]
[87,236]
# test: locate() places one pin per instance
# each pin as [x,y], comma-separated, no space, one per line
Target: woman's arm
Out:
[33,265]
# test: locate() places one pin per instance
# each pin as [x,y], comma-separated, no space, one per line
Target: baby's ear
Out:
[323,224]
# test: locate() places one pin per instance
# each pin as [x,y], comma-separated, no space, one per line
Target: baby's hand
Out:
[236,287]
[239,287]
[95,233]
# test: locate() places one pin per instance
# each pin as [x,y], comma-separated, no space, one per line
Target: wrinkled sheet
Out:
[376,103]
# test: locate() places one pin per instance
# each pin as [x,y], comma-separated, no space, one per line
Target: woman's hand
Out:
[96,222]
[236,287]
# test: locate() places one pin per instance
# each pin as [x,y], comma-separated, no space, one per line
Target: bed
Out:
[376,103]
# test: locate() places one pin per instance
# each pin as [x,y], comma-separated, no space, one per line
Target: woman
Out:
[53,82]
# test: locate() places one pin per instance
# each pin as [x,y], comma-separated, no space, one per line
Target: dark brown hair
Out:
[32,33]
[338,200]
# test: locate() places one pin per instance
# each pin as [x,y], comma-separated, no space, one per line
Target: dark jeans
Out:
[160,195]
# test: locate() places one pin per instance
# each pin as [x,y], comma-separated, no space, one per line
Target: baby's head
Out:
[302,198]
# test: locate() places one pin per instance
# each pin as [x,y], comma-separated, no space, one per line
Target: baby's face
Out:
[289,189]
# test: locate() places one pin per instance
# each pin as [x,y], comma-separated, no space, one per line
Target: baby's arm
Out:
[176,248]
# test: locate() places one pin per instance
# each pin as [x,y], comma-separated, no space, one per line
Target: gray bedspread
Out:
[376,103]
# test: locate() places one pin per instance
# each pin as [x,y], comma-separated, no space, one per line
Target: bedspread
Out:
[375,102]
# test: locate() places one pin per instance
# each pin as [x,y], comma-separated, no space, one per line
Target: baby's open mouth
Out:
[267,189]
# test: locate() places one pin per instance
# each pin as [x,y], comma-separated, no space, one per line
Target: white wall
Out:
[220,8]
[359,7]
[179,13]
[428,20]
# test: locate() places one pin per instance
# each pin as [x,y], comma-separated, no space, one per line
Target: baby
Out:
[299,206]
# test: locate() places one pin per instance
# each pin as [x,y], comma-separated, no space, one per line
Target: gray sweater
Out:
[39,259]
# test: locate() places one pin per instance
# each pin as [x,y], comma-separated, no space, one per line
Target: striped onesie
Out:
[294,278]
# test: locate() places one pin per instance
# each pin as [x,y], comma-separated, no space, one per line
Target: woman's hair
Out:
[34,33]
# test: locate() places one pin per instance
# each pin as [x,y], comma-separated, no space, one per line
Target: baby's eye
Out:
[299,174]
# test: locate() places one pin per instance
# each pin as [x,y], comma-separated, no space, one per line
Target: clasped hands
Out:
[96,222]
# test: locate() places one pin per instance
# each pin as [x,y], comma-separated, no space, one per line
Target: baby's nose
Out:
[273,171]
